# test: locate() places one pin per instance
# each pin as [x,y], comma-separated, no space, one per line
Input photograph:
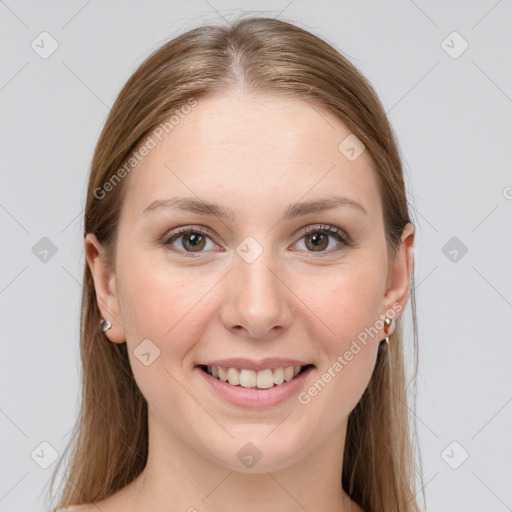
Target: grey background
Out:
[452,117]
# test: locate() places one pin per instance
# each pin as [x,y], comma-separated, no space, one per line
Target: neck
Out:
[176,477]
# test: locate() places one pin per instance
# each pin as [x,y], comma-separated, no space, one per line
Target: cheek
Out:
[163,304]
[346,300]
[169,308]
[346,312]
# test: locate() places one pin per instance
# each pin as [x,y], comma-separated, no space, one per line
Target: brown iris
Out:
[195,241]
[320,241]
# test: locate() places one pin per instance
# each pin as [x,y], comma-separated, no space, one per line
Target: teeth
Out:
[288,373]
[278,375]
[263,379]
[233,376]
[248,378]
[223,374]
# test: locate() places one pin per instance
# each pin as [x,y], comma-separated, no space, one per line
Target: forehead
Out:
[255,146]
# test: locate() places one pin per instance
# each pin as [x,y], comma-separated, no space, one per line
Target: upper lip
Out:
[250,364]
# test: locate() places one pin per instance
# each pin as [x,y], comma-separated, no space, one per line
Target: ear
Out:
[397,288]
[105,286]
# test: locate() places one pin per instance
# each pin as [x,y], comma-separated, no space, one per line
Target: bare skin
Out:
[255,155]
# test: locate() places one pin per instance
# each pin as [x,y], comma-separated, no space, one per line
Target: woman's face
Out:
[252,286]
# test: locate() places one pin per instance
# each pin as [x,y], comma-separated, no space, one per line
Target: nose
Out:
[256,301]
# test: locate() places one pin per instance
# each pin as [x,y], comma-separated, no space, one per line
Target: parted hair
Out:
[109,445]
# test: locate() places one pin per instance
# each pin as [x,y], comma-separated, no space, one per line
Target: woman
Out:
[249,258]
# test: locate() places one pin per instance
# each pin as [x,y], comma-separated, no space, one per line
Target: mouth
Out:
[248,378]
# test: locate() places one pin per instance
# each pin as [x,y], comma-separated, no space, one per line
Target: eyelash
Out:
[338,234]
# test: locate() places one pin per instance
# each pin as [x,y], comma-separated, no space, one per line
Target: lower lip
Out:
[254,397]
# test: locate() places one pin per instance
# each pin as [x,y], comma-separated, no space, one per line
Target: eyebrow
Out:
[198,206]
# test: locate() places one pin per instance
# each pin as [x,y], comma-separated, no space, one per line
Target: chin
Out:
[256,451]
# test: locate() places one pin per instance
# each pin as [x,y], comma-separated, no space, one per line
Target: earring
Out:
[105,325]
[389,329]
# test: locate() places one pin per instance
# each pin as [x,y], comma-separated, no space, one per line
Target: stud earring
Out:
[105,325]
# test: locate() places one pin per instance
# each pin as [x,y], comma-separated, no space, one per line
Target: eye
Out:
[317,238]
[194,240]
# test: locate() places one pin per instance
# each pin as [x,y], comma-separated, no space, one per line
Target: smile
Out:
[247,378]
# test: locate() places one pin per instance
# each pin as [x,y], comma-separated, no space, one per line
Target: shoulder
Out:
[117,502]
[87,507]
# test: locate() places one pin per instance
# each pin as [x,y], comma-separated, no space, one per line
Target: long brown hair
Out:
[110,441]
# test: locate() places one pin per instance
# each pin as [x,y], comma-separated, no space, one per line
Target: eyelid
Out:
[183,230]
[327,228]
